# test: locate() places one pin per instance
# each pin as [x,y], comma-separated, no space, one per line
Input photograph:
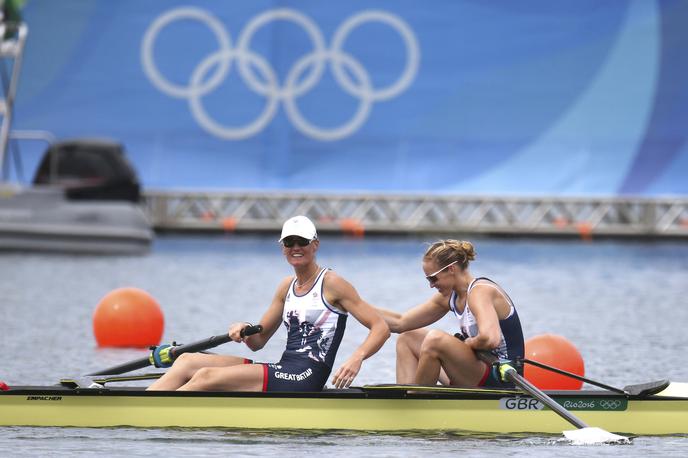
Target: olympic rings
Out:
[259,21]
[355,81]
[610,404]
[149,42]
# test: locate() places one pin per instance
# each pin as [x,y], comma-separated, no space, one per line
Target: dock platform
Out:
[359,214]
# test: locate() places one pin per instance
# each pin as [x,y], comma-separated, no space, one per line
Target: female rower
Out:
[487,321]
[313,305]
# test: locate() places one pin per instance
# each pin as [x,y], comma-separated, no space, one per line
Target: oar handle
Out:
[213,341]
[175,351]
[251,329]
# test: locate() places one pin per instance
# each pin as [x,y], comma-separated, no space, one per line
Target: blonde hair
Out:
[444,252]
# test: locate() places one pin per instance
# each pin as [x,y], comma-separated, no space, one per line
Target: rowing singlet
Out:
[511,346]
[314,327]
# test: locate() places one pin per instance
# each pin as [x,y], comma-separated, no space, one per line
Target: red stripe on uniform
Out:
[265,377]
[488,368]
[248,361]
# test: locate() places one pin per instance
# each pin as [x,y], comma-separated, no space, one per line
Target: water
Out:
[624,305]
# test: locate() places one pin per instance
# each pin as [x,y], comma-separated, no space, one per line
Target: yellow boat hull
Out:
[387,410]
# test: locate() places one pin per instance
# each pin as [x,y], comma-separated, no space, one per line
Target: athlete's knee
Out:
[411,339]
[433,344]
[404,341]
[187,362]
[183,360]
[203,376]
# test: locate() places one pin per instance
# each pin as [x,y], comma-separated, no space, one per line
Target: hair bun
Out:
[450,250]
[468,249]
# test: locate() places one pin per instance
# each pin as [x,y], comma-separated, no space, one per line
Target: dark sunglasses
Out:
[291,241]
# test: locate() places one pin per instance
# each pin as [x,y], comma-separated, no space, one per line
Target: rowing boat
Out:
[648,409]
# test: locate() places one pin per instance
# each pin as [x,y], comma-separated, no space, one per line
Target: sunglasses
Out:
[432,278]
[289,242]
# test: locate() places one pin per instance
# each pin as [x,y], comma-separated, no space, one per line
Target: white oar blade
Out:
[592,435]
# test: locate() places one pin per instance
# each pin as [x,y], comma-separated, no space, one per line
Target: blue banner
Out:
[528,97]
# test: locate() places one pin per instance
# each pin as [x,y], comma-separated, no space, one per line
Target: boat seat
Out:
[647,389]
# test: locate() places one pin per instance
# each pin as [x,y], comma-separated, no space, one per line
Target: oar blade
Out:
[584,435]
[592,435]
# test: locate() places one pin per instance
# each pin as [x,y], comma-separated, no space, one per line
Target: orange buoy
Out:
[229,224]
[555,351]
[128,317]
[560,222]
[352,226]
[585,231]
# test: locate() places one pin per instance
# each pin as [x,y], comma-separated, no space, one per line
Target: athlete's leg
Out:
[408,353]
[444,351]
[245,377]
[187,364]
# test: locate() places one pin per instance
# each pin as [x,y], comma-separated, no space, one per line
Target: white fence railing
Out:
[358,214]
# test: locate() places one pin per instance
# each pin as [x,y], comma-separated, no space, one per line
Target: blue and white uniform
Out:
[314,331]
[511,344]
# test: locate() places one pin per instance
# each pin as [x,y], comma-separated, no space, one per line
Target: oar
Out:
[95,381]
[583,435]
[574,376]
[164,355]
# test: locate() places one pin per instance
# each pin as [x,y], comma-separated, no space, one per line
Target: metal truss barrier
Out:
[357,215]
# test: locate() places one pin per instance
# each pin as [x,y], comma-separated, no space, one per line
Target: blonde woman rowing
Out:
[486,321]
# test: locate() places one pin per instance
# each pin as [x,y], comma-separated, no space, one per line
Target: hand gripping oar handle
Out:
[170,353]
[507,372]
[211,342]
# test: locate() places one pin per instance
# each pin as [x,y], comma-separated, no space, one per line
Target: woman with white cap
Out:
[313,304]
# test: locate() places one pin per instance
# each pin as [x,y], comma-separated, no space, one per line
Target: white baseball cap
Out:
[299,226]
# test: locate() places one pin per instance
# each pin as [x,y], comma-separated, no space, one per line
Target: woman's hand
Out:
[235,331]
[347,372]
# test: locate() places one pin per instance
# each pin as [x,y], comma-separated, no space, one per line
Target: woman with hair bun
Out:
[487,321]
